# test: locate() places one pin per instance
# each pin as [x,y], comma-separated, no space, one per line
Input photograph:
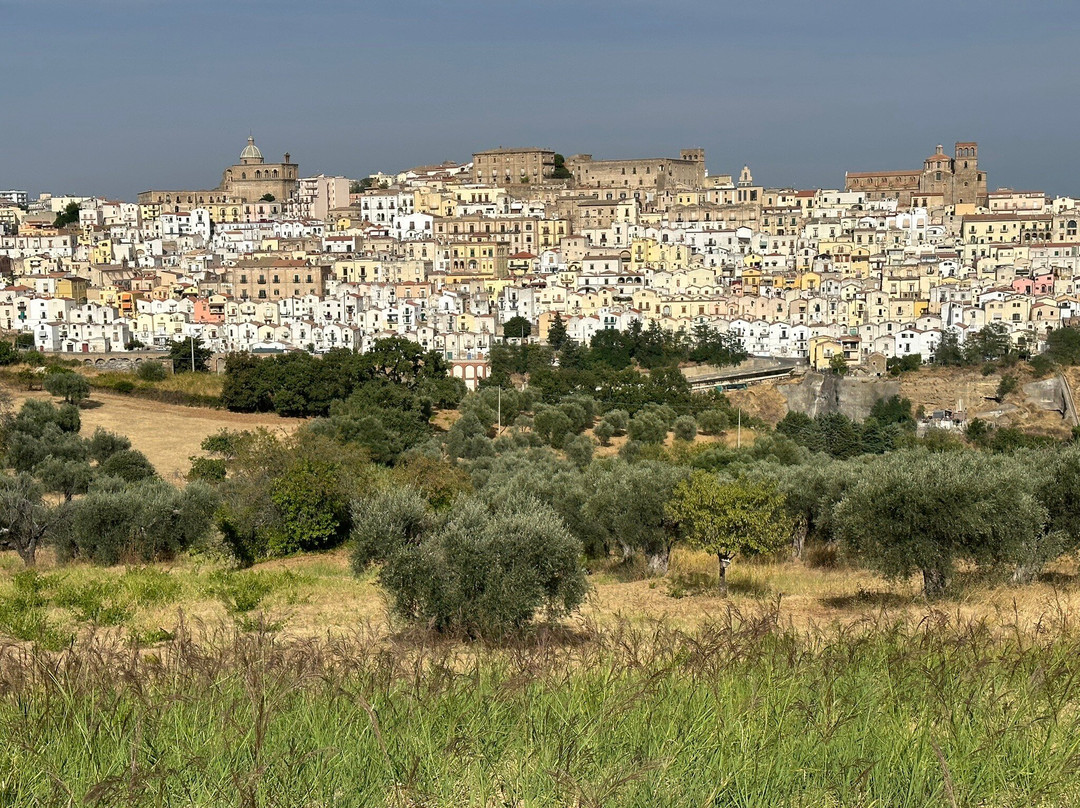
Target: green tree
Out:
[838,364]
[104,444]
[1007,384]
[517,327]
[312,513]
[189,354]
[129,465]
[69,215]
[921,512]
[561,172]
[65,477]
[648,427]
[556,336]
[25,519]
[729,519]
[604,432]
[385,522]
[626,504]
[579,449]
[553,426]
[989,343]
[1063,345]
[487,572]
[71,387]
[948,351]
[685,427]
[712,422]
[893,410]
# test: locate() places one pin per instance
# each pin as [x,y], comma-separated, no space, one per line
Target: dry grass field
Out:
[168,434]
[316,595]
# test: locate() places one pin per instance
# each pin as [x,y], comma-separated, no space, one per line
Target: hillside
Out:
[931,388]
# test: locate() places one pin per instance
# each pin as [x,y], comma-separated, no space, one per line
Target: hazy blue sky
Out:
[118,96]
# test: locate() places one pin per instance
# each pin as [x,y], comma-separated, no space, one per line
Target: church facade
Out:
[250,180]
[943,180]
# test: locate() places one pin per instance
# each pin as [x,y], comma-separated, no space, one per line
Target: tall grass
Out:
[191,389]
[741,712]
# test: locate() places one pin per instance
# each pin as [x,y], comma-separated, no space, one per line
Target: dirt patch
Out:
[168,434]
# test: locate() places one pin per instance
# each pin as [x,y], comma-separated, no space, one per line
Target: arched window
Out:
[243,175]
[258,175]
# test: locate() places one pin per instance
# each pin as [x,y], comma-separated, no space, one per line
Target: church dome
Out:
[251,153]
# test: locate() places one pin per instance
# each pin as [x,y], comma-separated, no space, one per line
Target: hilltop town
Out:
[446,255]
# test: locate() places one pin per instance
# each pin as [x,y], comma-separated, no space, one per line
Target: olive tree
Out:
[487,572]
[626,505]
[25,518]
[915,511]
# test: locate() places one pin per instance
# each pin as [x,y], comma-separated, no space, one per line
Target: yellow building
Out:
[479,256]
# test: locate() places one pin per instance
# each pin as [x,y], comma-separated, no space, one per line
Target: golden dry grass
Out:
[168,434]
[317,595]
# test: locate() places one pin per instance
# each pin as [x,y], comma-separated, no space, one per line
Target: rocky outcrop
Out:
[819,393]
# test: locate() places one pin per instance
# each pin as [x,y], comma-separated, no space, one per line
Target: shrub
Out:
[148,521]
[69,386]
[647,427]
[712,422]
[579,449]
[685,427]
[209,469]
[104,444]
[619,420]
[487,573]
[313,514]
[604,432]
[130,465]
[385,522]
[151,372]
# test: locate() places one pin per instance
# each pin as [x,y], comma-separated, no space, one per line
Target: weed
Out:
[102,602]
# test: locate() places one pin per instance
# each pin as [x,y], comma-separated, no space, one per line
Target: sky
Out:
[111,97]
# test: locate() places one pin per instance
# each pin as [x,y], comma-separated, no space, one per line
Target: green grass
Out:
[740,712]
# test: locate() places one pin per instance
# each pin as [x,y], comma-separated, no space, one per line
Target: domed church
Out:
[249,180]
[253,178]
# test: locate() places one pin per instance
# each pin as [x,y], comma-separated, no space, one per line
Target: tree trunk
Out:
[725,562]
[933,583]
[28,554]
[1026,573]
[798,542]
[657,563]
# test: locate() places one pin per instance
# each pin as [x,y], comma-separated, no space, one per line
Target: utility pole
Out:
[498,429]
[738,431]
[192,340]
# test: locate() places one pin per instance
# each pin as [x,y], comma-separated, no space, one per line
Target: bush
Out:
[69,386]
[647,427]
[619,420]
[149,521]
[604,432]
[1042,365]
[712,422]
[151,372]
[104,444]
[130,465]
[386,522]
[579,449]
[685,428]
[313,514]
[487,573]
